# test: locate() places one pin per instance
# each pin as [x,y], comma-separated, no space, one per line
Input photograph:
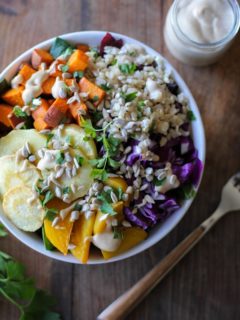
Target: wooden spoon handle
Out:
[125,303]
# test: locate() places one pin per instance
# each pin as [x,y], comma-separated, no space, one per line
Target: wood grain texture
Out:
[206,284]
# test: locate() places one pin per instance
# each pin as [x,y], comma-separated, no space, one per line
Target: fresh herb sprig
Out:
[21,291]
[110,145]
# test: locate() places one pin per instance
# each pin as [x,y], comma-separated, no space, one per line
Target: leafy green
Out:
[51,214]
[78,74]
[66,190]
[60,47]
[188,191]
[127,68]
[106,206]
[4,86]
[95,98]
[129,97]
[89,129]
[65,68]
[100,174]
[48,196]
[47,244]
[190,115]
[77,207]
[113,62]
[67,52]
[3,232]
[21,291]
[49,138]
[159,183]
[19,113]
[95,53]
[106,87]
[117,233]
[60,158]
[80,160]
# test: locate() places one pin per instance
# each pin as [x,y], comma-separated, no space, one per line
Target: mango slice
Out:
[80,237]
[132,236]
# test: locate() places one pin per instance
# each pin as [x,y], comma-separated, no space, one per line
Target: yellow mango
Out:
[82,229]
[100,222]
[132,236]
[59,236]
[117,182]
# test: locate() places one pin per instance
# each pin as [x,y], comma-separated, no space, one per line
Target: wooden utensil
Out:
[230,201]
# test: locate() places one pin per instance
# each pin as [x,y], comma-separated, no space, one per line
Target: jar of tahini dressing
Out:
[198,32]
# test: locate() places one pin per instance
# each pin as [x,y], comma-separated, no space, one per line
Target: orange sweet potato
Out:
[5,112]
[14,120]
[74,108]
[47,85]
[14,96]
[26,72]
[82,230]
[56,112]
[39,56]
[83,47]
[41,110]
[94,92]
[39,124]
[78,61]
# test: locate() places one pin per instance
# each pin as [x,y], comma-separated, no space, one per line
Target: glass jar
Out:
[192,52]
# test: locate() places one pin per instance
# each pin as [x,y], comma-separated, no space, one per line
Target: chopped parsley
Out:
[49,138]
[48,196]
[100,174]
[95,98]
[106,206]
[78,74]
[94,52]
[65,68]
[129,97]
[51,214]
[188,191]
[159,183]
[19,113]
[127,68]
[80,160]
[60,157]
[191,115]
[117,232]
[106,87]
[66,190]
[113,62]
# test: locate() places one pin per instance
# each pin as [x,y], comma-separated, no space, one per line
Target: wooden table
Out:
[206,284]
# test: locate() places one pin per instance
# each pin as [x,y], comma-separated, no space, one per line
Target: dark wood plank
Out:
[206,284]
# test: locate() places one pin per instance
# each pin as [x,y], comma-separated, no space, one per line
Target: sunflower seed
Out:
[32,158]
[74,215]
[19,126]
[129,190]
[58,192]
[68,172]
[114,222]
[113,197]
[125,197]
[73,187]
[126,224]
[24,152]
[149,199]
[74,171]
[45,131]
[127,150]
[59,173]
[76,163]
[71,246]
[144,187]
[67,156]
[149,171]
[55,221]
[66,75]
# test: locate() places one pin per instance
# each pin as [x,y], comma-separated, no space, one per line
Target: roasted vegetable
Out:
[95,93]
[5,111]
[14,96]
[26,72]
[47,85]
[39,56]
[56,113]
[78,61]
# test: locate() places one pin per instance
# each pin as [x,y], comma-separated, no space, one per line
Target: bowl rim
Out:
[34,242]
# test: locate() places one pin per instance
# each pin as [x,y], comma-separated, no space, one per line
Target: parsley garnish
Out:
[95,98]
[19,113]
[117,233]
[60,158]
[94,52]
[191,115]
[51,214]
[49,138]
[65,68]
[106,87]
[48,196]
[66,190]
[188,191]
[100,174]
[77,207]
[126,68]
[159,183]
[129,97]
[21,291]
[106,206]
[113,62]
[80,160]
[78,74]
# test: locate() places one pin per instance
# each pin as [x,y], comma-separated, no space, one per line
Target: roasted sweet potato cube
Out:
[5,112]
[56,113]
[83,47]
[39,124]
[75,109]
[78,61]
[95,93]
[47,85]
[14,96]
[39,56]
[41,110]
[14,120]
[26,72]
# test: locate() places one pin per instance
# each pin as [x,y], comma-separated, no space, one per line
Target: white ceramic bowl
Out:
[32,240]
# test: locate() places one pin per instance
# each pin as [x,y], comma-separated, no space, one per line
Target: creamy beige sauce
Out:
[59,89]
[205,21]
[105,241]
[48,161]
[33,87]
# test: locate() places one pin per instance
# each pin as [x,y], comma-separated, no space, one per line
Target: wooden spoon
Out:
[230,201]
